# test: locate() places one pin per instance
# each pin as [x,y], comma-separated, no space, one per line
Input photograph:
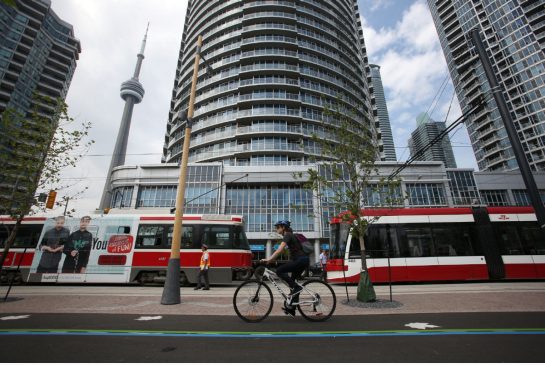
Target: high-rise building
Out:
[275,65]
[38,54]
[132,92]
[380,111]
[426,131]
[514,35]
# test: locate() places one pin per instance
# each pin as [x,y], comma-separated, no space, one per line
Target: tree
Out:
[34,150]
[8,2]
[348,179]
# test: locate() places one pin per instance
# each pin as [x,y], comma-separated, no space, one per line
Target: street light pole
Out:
[522,161]
[171,290]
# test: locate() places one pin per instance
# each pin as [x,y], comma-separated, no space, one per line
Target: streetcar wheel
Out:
[317,301]
[253,301]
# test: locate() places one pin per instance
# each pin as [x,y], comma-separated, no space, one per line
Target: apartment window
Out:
[428,194]
[495,198]
[121,197]
[523,199]
[157,197]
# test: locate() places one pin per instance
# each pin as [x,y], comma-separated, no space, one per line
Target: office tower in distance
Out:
[38,54]
[426,131]
[514,36]
[380,111]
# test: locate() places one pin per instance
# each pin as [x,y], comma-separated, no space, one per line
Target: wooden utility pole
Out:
[171,290]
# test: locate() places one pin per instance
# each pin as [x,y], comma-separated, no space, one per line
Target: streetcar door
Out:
[489,244]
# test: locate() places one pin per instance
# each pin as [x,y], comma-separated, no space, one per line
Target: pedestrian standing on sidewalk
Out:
[203,273]
[323,264]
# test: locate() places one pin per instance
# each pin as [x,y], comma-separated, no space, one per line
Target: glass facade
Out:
[463,187]
[202,191]
[122,197]
[495,198]
[262,206]
[388,152]
[426,131]
[38,53]
[426,195]
[514,36]
[276,65]
[523,199]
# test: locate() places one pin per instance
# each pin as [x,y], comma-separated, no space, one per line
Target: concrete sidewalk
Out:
[425,298]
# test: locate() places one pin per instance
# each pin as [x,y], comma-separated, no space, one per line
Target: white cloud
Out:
[374,5]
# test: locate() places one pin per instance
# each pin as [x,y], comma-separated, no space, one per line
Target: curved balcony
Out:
[269,67]
[261,3]
[272,81]
[270,15]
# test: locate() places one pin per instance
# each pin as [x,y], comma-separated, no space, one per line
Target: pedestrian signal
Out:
[51,199]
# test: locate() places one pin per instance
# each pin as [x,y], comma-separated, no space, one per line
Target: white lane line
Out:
[421,326]
[14,318]
[149,318]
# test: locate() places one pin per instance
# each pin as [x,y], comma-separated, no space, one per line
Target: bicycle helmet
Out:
[284,223]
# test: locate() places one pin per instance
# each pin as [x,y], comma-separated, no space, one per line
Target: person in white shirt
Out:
[204,266]
[323,263]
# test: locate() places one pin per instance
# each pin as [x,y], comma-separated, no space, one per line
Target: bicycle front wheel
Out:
[253,301]
[317,301]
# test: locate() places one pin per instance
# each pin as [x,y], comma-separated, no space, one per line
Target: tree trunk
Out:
[10,241]
[366,292]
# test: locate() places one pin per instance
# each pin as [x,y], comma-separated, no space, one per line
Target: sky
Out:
[399,35]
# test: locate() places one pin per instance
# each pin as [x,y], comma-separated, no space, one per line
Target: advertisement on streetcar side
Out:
[85,249]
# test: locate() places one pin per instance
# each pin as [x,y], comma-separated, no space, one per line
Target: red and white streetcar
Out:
[441,244]
[126,248]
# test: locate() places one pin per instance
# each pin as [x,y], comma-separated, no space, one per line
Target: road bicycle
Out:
[253,300]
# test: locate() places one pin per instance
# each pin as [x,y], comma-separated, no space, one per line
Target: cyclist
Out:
[299,262]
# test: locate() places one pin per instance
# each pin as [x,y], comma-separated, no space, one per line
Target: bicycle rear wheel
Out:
[317,301]
[253,301]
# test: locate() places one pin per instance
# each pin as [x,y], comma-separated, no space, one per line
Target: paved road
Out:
[458,337]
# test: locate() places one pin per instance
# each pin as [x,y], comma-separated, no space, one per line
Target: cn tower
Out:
[132,92]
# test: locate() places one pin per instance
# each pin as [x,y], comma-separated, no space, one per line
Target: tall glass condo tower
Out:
[275,65]
[514,34]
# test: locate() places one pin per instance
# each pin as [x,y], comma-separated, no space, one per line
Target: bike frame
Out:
[272,276]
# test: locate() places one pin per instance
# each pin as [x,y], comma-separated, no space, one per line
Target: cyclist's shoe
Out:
[289,310]
[296,290]
[294,294]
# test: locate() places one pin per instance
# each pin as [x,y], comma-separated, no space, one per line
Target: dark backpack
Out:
[306,246]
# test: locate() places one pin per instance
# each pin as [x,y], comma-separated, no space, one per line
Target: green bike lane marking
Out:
[271,334]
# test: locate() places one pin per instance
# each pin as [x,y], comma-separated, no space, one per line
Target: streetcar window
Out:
[418,241]
[381,238]
[117,230]
[452,240]
[531,237]
[355,249]
[187,236]
[149,236]
[240,240]
[217,237]
[337,240]
[508,239]
[27,236]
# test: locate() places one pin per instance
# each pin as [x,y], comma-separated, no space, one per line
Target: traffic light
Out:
[50,204]
[42,198]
